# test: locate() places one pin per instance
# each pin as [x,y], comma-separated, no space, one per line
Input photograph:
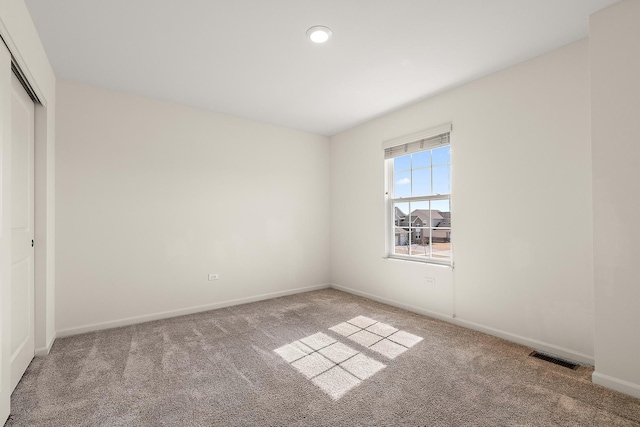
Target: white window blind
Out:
[418,141]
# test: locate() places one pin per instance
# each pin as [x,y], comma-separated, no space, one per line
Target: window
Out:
[418,196]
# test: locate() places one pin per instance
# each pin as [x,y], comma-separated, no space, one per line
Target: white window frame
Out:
[410,144]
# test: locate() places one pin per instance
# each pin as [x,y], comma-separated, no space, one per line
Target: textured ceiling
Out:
[251,58]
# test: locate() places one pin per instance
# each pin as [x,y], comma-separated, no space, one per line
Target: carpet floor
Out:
[322,358]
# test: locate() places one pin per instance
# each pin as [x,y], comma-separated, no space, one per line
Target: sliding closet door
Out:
[5,232]
[22,231]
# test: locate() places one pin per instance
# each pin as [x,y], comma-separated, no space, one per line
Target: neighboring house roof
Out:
[423,214]
[446,220]
[399,213]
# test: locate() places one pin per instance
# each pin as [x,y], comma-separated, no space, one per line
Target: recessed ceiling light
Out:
[319,34]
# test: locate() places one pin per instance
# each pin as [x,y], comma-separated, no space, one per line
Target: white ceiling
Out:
[251,58]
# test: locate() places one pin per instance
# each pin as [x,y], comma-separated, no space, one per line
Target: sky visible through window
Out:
[423,174]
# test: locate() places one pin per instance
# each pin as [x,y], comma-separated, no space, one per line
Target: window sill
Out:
[420,261]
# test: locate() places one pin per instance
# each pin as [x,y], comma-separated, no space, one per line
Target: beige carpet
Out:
[323,358]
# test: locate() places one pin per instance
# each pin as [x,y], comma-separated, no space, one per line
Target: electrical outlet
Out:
[214,276]
[430,281]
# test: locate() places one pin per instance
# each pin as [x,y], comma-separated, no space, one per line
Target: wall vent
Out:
[555,360]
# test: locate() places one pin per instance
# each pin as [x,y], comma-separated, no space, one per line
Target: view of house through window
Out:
[420,194]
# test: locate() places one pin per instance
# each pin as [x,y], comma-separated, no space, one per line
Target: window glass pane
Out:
[418,234]
[441,155]
[442,225]
[441,205]
[441,233]
[419,205]
[401,241]
[441,250]
[419,214]
[421,182]
[421,159]
[441,214]
[441,180]
[402,163]
[420,242]
[440,236]
[401,210]
[402,184]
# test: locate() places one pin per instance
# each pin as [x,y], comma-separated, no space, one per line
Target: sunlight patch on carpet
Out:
[377,336]
[336,368]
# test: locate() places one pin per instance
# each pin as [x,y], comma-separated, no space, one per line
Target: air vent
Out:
[555,360]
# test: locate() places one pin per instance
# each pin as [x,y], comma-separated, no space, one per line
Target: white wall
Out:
[521,206]
[615,120]
[151,197]
[21,38]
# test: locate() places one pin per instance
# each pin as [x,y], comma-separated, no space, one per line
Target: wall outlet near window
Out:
[430,281]
[214,276]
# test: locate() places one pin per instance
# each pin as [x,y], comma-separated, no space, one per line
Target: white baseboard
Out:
[551,349]
[544,347]
[616,384]
[182,311]
[408,307]
[43,351]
